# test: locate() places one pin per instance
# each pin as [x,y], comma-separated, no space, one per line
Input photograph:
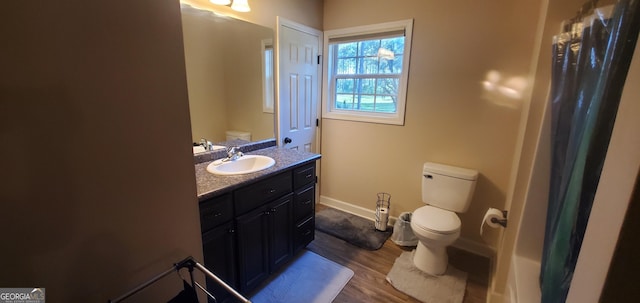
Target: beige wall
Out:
[98,189]
[450,118]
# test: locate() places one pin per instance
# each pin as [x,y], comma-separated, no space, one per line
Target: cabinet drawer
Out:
[261,192]
[304,175]
[303,234]
[215,211]
[304,203]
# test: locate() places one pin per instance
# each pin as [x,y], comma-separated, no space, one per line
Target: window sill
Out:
[391,119]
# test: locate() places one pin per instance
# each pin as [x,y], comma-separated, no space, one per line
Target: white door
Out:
[299,86]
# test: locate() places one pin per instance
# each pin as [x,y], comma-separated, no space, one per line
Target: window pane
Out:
[367,103]
[344,101]
[397,64]
[369,48]
[396,45]
[363,102]
[344,86]
[369,66]
[387,86]
[385,104]
[346,66]
[393,66]
[365,86]
[347,49]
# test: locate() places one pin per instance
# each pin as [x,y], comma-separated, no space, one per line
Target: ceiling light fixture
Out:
[236,5]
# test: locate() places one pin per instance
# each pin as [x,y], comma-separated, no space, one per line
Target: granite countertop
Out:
[209,184]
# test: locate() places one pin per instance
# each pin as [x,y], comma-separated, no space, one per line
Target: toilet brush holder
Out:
[382,211]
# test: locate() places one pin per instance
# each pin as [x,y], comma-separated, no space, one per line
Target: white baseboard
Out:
[462,243]
[369,214]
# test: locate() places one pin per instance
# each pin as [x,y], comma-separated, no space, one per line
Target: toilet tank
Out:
[238,135]
[448,187]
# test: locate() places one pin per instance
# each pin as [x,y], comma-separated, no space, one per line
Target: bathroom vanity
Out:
[252,224]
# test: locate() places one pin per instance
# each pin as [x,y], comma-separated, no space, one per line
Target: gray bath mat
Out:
[351,228]
[448,288]
[310,278]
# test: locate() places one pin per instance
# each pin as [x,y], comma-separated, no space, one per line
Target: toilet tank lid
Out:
[451,171]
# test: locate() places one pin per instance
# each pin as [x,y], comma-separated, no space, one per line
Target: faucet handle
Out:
[233,152]
[206,144]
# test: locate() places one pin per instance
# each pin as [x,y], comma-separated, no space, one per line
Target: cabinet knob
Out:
[212,215]
[271,191]
[231,230]
[273,210]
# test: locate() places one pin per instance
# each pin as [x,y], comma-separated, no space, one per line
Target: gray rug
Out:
[448,288]
[351,228]
[309,278]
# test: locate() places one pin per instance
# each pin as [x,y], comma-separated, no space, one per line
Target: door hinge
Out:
[319,59]
[317,122]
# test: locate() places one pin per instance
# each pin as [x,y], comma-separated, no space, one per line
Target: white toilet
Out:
[446,190]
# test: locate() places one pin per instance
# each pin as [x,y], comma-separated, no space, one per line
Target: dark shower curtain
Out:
[590,63]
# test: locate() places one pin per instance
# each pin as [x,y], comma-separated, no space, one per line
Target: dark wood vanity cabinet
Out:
[271,220]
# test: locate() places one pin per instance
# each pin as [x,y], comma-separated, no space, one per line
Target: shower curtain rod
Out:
[189,263]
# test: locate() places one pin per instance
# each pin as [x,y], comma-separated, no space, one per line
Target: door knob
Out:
[287,140]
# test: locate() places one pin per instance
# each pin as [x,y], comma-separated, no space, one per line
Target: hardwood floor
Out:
[371,267]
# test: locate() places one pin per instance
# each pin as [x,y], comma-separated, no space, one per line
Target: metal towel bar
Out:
[189,263]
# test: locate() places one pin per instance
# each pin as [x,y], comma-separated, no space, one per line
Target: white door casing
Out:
[299,70]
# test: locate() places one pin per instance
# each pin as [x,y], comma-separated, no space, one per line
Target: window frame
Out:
[329,109]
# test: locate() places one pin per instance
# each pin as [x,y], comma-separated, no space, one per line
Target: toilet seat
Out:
[436,220]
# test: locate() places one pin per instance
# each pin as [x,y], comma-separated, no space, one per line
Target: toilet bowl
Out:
[446,190]
[435,229]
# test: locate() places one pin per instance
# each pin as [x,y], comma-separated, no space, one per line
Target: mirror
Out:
[229,80]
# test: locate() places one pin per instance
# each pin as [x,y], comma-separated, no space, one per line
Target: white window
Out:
[366,72]
[267,76]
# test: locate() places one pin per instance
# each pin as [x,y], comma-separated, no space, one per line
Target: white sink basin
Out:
[243,165]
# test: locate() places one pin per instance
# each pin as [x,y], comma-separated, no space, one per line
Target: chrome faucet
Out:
[233,153]
[206,144]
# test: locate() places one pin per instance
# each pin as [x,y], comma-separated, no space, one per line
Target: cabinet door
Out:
[280,231]
[219,245]
[253,248]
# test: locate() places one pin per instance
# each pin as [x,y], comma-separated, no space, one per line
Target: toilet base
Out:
[431,260]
